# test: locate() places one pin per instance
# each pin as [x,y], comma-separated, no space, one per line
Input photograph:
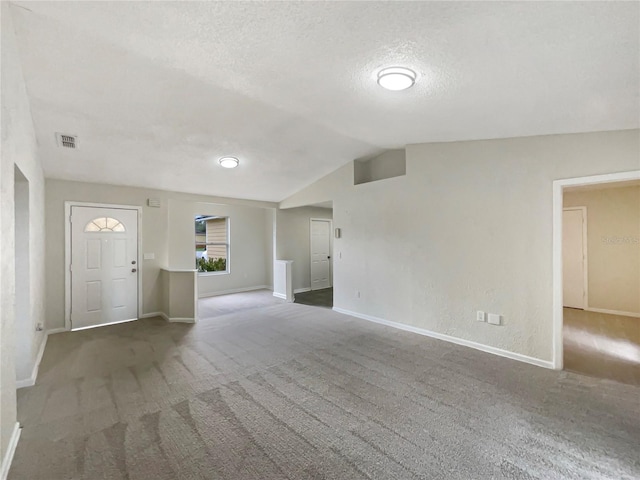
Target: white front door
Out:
[104,265]
[320,254]
[573,258]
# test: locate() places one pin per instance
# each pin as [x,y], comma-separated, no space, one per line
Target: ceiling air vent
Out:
[67,141]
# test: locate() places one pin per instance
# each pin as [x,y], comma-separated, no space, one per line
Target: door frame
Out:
[311,220]
[67,253]
[585,262]
[558,188]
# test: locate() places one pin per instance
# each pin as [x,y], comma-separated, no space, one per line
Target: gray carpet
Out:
[212,307]
[297,392]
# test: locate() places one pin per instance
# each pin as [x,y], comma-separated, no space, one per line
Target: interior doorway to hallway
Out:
[600,282]
[305,237]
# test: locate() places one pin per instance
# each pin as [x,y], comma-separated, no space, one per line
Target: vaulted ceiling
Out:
[158,91]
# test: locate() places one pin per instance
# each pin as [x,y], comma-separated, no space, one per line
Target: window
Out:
[212,243]
[104,224]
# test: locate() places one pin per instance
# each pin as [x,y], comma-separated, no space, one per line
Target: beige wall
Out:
[248,232]
[167,232]
[468,228]
[18,149]
[613,246]
[293,241]
[181,291]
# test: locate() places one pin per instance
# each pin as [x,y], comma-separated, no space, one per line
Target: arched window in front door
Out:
[104,224]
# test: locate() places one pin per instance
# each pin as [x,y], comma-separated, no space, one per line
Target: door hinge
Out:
[71,267]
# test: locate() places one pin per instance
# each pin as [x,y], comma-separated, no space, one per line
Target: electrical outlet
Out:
[495,319]
[480,316]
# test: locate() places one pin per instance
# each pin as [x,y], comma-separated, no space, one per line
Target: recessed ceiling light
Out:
[229,162]
[396,78]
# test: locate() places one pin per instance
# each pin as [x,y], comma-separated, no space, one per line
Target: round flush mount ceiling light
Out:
[229,162]
[396,78]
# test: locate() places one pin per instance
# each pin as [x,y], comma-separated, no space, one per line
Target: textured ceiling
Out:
[158,91]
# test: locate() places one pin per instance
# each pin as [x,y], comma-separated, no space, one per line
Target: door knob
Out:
[134,270]
[133,262]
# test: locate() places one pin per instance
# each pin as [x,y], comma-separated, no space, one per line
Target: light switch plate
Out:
[495,319]
[480,316]
[149,256]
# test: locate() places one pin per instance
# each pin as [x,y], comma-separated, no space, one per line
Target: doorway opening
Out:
[23,322]
[597,276]
[303,253]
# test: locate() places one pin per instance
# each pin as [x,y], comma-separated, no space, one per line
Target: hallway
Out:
[602,345]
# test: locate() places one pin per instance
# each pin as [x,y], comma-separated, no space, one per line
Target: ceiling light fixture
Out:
[229,162]
[396,78]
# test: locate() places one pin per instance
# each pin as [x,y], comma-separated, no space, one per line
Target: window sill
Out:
[211,274]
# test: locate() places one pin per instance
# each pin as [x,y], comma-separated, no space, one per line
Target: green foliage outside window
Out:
[211,265]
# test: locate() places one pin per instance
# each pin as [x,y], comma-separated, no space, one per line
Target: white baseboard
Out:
[613,312]
[31,381]
[181,320]
[447,338]
[302,290]
[53,331]
[11,450]
[280,295]
[167,318]
[233,290]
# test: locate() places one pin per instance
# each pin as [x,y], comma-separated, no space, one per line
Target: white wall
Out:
[613,246]
[293,241]
[18,149]
[468,228]
[168,232]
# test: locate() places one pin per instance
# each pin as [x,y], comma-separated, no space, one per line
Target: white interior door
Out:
[573,257]
[104,266]
[320,254]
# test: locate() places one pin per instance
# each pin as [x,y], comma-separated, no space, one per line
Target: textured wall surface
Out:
[167,232]
[18,149]
[613,246]
[468,228]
